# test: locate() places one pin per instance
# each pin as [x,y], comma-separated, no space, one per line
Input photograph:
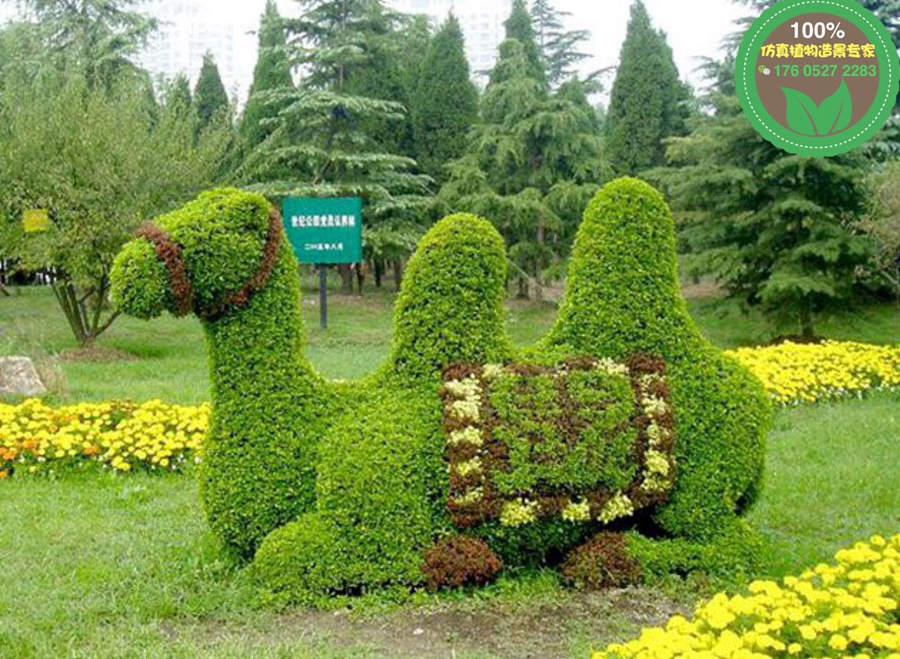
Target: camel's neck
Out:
[256,354]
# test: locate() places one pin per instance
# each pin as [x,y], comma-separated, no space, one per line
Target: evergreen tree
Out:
[322,142]
[272,72]
[210,98]
[648,102]
[177,97]
[520,27]
[778,231]
[535,159]
[445,101]
[100,38]
[559,48]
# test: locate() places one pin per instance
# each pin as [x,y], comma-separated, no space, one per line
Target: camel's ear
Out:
[450,307]
[623,294]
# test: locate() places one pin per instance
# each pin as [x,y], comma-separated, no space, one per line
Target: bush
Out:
[623,297]
[602,562]
[847,608]
[460,561]
[733,555]
[269,408]
[450,308]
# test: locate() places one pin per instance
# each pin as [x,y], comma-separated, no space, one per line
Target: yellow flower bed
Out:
[845,609]
[120,435]
[794,373]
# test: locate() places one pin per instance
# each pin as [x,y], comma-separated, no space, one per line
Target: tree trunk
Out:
[379,272]
[806,322]
[538,265]
[361,270]
[346,279]
[523,288]
[85,313]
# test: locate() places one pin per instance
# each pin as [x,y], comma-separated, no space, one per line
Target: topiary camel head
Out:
[206,258]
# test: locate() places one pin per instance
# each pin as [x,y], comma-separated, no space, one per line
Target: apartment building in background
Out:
[190,28]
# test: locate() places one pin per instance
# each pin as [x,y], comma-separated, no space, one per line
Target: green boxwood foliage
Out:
[269,407]
[450,307]
[623,297]
[382,485]
[137,262]
[734,554]
[378,474]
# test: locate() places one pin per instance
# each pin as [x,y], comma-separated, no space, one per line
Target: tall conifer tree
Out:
[210,98]
[444,101]
[520,26]
[559,48]
[272,72]
[326,141]
[648,102]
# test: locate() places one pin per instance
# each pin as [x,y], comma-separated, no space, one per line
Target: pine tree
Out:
[272,72]
[177,98]
[535,158]
[444,102]
[778,231]
[519,26]
[210,98]
[648,102]
[322,142]
[559,48]
[98,37]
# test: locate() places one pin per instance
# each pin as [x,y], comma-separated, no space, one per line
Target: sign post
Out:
[324,231]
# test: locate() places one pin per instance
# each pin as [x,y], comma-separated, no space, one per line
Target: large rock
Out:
[18,377]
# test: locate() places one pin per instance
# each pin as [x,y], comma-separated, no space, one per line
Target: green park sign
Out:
[324,231]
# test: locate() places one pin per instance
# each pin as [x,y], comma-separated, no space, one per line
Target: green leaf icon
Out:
[835,112]
[807,118]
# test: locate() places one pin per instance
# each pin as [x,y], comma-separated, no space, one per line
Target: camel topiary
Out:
[460,455]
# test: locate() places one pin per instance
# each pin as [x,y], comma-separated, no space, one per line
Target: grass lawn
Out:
[98,565]
[106,566]
[168,355]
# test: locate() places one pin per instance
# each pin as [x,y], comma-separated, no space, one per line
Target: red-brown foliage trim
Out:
[494,454]
[170,253]
[172,256]
[601,562]
[460,561]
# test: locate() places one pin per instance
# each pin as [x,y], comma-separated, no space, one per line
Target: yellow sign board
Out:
[35,220]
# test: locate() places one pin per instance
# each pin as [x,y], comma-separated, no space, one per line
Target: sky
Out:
[695,28]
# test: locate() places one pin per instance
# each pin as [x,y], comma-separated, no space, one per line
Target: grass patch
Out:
[171,353]
[831,478]
[100,565]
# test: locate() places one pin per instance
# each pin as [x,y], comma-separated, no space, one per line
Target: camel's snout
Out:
[140,281]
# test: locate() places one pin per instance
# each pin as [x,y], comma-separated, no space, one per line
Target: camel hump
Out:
[623,292]
[450,307]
